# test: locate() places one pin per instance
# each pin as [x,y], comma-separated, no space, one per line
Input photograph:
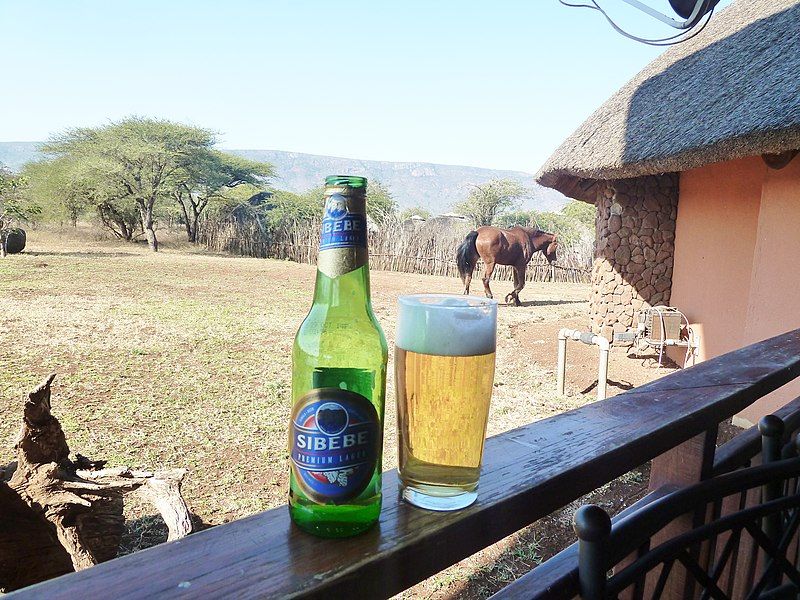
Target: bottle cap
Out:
[352,181]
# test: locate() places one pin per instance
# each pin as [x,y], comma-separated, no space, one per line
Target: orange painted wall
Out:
[715,238]
[774,305]
[737,259]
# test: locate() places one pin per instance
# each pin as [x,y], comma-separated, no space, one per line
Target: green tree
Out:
[286,207]
[209,176]
[14,205]
[380,203]
[488,200]
[55,187]
[67,186]
[142,155]
[583,212]
[415,210]
[523,218]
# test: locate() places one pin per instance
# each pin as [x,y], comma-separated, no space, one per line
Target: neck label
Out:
[342,228]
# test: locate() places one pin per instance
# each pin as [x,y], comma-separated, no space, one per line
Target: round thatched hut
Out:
[691,167]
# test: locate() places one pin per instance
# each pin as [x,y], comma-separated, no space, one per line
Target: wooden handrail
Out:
[739,451]
[527,473]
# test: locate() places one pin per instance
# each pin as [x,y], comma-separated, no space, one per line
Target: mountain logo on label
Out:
[336,206]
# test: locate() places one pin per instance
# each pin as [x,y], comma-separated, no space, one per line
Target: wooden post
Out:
[684,465]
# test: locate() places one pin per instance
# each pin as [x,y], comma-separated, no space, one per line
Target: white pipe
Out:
[587,338]
[562,360]
[602,370]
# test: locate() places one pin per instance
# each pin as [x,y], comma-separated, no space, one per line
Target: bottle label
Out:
[342,228]
[334,441]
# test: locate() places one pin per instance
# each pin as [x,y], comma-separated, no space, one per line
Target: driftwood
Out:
[59,514]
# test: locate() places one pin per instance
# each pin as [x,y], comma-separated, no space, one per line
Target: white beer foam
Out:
[447,325]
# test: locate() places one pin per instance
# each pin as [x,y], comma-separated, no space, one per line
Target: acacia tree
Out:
[55,185]
[309,204]
[207,176]
[67,186]
[487,200]
[415,211]
[380,203]
[286,207]
[141,155]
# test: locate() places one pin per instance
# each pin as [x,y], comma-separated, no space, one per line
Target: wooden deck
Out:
[527,473]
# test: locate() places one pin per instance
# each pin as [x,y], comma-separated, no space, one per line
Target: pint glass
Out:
[444,370]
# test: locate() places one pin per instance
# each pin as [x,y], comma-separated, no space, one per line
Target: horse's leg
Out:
[467,281]
[487,275]
[510,296]
[519,282]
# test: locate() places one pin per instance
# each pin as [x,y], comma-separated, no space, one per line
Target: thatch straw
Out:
[732,91]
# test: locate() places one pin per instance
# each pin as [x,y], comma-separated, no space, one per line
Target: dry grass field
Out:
[182,359]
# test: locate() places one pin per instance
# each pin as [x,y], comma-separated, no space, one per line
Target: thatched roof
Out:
[732,91]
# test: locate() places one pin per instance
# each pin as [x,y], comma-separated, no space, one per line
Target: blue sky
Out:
[494,84]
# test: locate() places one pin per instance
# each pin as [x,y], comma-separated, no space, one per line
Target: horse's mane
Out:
[535,231]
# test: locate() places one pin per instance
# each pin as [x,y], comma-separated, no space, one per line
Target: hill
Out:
[433,186]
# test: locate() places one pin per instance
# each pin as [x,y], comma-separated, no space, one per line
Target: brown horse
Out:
[497,246]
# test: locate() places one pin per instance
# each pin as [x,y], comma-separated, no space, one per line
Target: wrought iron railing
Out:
[527,473]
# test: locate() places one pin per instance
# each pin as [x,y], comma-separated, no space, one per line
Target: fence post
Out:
[771,428]
[592,526]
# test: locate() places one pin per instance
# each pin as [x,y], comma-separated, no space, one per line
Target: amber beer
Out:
[444,371]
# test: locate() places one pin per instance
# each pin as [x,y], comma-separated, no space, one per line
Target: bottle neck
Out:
[342,262]
[349,290]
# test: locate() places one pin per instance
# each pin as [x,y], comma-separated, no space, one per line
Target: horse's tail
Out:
[467,255]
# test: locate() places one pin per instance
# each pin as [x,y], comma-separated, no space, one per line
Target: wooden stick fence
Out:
[393,248]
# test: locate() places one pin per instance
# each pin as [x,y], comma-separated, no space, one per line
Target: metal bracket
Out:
[700,9]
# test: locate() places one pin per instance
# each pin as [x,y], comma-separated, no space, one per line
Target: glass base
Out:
[438,502]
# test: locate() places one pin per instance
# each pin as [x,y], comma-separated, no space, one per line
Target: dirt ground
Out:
[182,359]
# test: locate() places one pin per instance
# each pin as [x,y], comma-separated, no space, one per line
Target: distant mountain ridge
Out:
[432,186]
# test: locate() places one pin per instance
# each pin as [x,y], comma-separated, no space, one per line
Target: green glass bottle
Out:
[338,380]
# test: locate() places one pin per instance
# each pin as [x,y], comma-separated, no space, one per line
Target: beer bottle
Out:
[338,380]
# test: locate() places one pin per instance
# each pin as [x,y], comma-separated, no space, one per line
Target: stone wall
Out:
[634,250]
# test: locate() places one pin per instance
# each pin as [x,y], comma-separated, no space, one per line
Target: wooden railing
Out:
[557,578]
[527,473]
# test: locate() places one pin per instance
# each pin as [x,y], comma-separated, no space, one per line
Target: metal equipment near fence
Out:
[658,327]
[661,327]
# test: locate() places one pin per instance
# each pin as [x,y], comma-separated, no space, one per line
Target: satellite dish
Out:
[685,8]
[691,11]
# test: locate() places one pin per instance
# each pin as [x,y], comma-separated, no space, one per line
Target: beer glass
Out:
[444,371]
